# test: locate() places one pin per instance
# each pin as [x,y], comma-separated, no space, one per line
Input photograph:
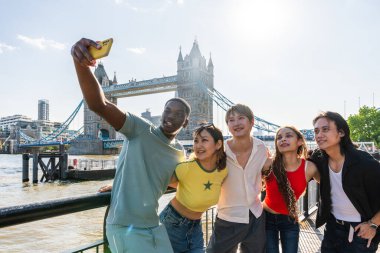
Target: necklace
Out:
[338,166]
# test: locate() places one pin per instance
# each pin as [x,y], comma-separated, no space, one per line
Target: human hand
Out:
[80,53]
[106,188]
[269,154]
[366,232]
[267,165]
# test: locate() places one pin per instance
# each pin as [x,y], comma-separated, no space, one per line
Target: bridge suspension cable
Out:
[77,133]
[26,137]
[64,125]
[52,137]
[224,103]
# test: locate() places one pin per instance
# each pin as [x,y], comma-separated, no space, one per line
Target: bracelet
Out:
[373,225]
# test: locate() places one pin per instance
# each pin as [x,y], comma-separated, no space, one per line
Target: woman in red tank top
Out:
[286,176]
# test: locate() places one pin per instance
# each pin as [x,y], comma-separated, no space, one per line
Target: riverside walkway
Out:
[310,237]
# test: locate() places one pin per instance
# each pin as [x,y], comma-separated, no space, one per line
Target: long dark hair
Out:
[279,172]
[221,158]
[342,126]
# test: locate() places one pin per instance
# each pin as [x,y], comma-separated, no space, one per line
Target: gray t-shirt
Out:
[146,163]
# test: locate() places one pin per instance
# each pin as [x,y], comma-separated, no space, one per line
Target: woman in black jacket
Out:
[349,188]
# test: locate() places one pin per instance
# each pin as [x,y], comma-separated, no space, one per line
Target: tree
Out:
[365,126]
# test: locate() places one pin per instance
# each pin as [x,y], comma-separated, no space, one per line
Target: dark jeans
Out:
[185,235]
[285,227]
[227,236]
[336,239]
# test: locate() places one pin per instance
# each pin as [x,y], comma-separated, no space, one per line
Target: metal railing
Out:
[15,215]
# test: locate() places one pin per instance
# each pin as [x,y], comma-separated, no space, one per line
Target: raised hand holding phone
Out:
[103,51]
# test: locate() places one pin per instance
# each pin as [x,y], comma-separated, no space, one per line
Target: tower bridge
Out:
[133,88]
[193,71]
[194,82]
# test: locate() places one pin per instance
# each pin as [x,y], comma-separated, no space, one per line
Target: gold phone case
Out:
[104,51]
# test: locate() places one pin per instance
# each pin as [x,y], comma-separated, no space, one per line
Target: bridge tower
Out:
[194,75]
[96,129]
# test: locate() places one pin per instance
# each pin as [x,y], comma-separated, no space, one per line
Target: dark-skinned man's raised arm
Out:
[91,89]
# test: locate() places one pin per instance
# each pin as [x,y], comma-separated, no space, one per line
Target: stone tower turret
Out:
[194,77]
[210,66]
[96,129]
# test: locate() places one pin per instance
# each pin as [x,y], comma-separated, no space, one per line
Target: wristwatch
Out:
[373,225]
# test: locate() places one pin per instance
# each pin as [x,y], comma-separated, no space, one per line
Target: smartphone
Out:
[104,51]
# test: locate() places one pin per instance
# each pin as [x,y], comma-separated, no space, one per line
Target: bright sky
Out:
[287,60]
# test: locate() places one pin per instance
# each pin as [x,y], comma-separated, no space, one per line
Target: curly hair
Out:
[279,172]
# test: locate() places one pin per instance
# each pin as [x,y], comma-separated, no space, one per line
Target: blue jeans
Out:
[285,227]
[335,239]
[185,235]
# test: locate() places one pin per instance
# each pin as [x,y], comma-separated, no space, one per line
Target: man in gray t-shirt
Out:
[146,163]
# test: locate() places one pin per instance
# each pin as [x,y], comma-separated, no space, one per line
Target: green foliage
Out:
[49,149]
[365,126]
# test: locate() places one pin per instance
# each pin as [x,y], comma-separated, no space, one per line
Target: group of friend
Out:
[230,174]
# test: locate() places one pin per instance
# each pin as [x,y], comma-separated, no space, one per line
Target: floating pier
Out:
[88,168]
[58,166]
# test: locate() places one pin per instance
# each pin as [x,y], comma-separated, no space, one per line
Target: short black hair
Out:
[182,101]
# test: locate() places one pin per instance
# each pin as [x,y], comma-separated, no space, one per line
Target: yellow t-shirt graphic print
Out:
[197,188]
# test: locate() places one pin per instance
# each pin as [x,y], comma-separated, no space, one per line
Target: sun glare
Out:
[261,20]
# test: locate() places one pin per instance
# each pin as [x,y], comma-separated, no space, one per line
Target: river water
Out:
[58,234]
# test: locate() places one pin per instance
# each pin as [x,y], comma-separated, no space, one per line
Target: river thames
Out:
[58,234]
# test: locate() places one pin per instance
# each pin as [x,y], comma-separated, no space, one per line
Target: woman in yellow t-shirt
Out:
[199,183]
